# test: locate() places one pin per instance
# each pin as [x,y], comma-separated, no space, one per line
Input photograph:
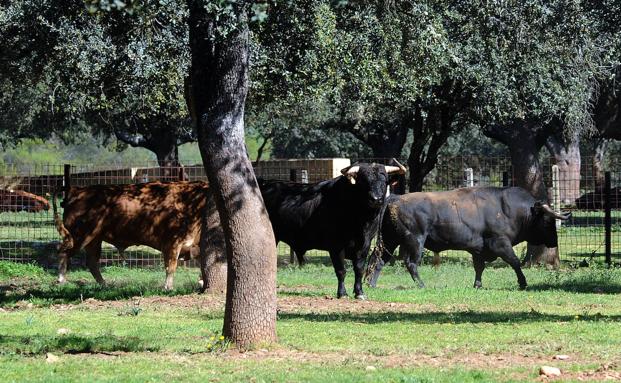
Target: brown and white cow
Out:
[166,216]
[19,200]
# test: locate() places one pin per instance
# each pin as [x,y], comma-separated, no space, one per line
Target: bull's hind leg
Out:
[64,255]
[413,248]
[170,259]
[93,255]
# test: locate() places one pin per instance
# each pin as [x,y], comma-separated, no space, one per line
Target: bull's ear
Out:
[351,172]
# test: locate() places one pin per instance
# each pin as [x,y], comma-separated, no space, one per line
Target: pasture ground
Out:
[131,330]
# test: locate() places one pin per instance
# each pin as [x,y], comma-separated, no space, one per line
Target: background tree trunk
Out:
[599,155]
[566,155]
[525,139]
[220,84]
[213,251]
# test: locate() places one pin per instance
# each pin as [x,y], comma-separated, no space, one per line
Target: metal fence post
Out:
[66,180]
[469,177]
[505,179]
[556,192]
[607,218]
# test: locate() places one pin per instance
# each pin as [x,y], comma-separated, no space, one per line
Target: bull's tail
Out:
[67,239]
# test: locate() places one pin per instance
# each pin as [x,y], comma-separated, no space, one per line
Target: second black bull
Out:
[338,215]
[485,221]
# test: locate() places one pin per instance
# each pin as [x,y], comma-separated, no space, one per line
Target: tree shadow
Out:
[72,344]
[446,317]
[79,291]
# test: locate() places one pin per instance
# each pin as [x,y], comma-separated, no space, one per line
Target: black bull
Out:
[487,222]
[338,215]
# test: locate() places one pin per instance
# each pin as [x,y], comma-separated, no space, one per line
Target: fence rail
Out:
[27,231]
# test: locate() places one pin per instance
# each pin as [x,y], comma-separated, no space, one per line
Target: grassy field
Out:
[131,330]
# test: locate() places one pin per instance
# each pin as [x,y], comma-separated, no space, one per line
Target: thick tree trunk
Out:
[388,143]
[525,139]
[220,84]
[566,155]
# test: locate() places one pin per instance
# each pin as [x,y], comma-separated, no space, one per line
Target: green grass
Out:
[131,330]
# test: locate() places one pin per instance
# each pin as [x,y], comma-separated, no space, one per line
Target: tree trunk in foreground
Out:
[567,156]
[219,85]
[525,139]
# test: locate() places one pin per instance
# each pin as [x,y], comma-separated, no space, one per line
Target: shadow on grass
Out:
[584,287]
[72,344]
[74,293]
[445,317]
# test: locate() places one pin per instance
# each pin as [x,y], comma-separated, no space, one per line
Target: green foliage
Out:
[71,71]
[13,269]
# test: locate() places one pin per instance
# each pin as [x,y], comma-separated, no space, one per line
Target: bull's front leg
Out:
[338,262]
[479,265]
[359,274]
[502,248]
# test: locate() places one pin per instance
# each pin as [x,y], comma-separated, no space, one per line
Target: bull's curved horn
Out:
[550,212]
[400,169]
[350,173]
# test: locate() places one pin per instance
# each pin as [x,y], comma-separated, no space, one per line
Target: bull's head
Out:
[371,180]
[543,227]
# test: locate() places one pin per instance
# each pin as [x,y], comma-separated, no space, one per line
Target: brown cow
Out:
[166,216]
[19,200]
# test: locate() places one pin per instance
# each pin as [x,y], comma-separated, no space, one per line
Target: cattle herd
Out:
[340,215]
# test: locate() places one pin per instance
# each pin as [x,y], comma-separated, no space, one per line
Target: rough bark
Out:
[430,133]
[213,252]
[525,139]
[566,153]
[219,86]
[431,124]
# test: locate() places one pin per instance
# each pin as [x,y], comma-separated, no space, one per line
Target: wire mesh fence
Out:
[27,231]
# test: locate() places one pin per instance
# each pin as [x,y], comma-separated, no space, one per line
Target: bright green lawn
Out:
[447,332]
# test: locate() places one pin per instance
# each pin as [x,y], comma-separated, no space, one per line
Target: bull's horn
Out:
[350,173]
[400,169]
[550,212]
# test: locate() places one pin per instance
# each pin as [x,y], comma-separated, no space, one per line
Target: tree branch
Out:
[135,140]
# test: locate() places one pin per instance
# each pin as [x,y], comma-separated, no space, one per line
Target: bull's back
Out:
[315,216]
[458,219]
[153,214]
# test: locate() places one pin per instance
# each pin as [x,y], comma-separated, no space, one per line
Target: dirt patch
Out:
[178,301]
[326,304]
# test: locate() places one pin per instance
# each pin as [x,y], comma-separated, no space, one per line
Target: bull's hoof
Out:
[421,285]
[344,295]
[61,280]
[523,287]
[478,285]
[361,297]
